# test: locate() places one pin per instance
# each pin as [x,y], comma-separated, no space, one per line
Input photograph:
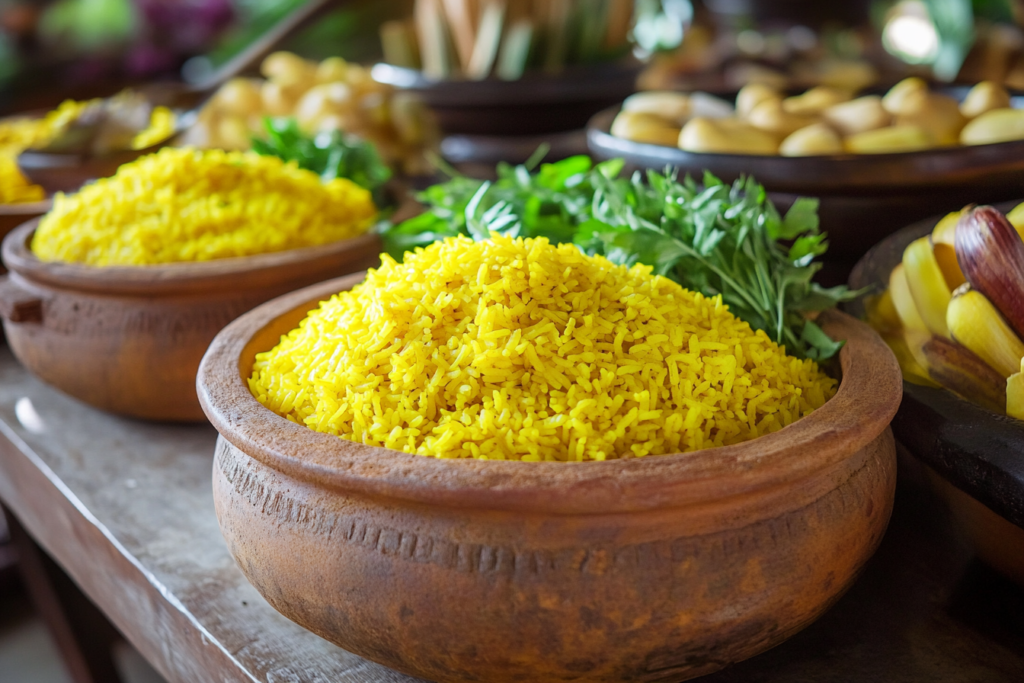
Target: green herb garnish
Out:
[715,238]
[329,154]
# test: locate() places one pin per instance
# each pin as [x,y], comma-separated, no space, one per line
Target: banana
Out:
[903,301]
[1015,393]
[944,231]
[958,369]
[943,243]
[881,313]
[975,323]
[927,285]
[1016,218]
[909,367]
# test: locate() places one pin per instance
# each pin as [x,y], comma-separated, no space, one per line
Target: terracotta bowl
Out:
[13,215]
[973,455]
[864,197]
[654,569]
[68,172]
[129,339]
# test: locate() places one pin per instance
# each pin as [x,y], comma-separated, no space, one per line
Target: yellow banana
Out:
[927,285]
[1016,218]
[881,313]
[944,231]
[910,368]
[945,256]
[1015,394]
[975,323]
[902,300]
[943,243]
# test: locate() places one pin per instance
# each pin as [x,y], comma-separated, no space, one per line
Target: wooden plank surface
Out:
[125,507]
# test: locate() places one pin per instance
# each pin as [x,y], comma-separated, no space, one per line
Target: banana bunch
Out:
[954,310]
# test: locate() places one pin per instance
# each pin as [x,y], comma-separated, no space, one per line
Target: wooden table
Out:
[126,509]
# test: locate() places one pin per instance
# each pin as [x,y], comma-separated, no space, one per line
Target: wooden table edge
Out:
[158,625]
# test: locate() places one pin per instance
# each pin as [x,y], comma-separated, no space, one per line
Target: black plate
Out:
[976,450]
[535,104]
[839,174]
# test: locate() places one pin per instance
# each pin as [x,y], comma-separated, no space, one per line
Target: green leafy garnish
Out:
[329,154]
[713,238]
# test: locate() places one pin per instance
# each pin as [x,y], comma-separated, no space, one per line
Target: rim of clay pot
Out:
[862,408]
[172,278]
[25,208]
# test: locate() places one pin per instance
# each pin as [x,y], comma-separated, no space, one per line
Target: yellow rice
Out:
[521,350]
[18,134]
[191,205]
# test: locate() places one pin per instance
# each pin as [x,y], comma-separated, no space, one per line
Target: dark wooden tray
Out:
[976,450]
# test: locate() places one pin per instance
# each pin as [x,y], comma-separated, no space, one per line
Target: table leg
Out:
[8,560]
[83,635]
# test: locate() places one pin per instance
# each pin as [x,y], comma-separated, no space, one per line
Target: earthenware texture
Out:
[129,339]
[654,569]
[13,215]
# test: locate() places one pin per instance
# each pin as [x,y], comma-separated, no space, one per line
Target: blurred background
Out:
[462,61]
[52,50]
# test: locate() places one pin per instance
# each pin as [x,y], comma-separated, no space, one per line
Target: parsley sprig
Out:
[711,237]
[329,154]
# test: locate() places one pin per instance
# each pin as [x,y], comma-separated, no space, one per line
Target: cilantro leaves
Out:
[330,155]
[713,237]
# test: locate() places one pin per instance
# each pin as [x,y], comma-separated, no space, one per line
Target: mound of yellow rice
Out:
[18,134]
[191,205]
[522,350]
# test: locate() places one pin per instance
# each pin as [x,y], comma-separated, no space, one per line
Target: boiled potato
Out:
[278,99]
[321,100]
[998,125]
[904,138]
[710,107]
[815,140]
[673,107]
[983,97]
[895,99]
[815,100]
[770,116]
[725,136]
[233,133]
[289,69]
[239,96]
[331,69]
[643,127]
[939,115]
[857,116]
[753,94]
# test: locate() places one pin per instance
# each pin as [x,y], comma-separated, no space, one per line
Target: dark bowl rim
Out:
[572,84]
[857,415]
[832,174]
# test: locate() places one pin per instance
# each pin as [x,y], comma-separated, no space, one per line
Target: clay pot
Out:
[128,340]
[13,215]
[654,569]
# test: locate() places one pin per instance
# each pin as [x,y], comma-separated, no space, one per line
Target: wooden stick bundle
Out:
[476,39]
